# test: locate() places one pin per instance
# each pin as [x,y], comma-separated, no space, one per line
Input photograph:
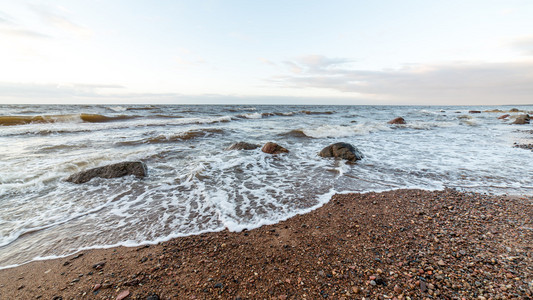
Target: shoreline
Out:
[400,243]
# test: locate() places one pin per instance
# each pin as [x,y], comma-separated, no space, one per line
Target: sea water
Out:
[194,185]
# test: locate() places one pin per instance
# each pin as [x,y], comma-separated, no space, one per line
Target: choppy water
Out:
[194,185]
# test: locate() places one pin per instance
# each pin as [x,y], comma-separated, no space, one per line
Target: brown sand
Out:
[405,243]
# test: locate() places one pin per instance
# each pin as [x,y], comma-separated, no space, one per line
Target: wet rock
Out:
[136,168]
[522,119]
[242,146]
[504,116]
[123,295]
[514,110]
[343,151]
[474,111]
[398,120]
[273,148]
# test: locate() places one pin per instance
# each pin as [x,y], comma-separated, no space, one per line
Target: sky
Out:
[267,52]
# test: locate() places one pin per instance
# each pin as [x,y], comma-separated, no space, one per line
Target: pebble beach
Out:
[402,244]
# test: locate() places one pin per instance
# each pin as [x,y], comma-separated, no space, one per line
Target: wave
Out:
[75,118]
[336,131]
[163,139]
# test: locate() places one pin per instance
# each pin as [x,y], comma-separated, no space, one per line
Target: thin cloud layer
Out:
[524,44]
[61,22]
[454,83]
[10,28]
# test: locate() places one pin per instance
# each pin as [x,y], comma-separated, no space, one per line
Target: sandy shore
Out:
[399,244]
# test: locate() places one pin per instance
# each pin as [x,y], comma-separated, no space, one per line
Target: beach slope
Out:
[421,244]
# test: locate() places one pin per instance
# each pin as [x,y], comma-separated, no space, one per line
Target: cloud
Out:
[24,33]
[40,92]
[453,83]
[525,44]
[266,61]
[8,27]
[62,23]
[315,64]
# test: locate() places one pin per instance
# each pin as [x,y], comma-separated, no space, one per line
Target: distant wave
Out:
[90,118]
[163,139]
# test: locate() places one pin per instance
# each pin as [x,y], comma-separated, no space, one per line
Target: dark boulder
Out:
[474,111]
[343,151]
[273,148]
[521,119]
[136,168]
[398,120]
[242,146]
[514,110]
[504,116]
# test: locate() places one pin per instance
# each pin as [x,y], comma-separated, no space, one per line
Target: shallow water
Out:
[194,185]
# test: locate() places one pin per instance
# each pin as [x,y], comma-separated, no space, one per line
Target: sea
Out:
[194,185]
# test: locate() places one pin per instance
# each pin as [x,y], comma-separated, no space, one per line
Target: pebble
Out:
[123,295]
[423,286]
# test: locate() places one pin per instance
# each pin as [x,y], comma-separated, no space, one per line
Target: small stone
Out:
[423,286]
[356,290]
[372,282]
[96,287]
[99,265]
[372,277]
[218,285]
[153,297]
[397,289]
[20,287]
[441,263]
[123,295]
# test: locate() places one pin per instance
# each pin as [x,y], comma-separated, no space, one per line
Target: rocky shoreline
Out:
[400,244]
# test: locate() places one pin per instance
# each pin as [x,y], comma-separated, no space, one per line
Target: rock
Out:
[273,148]
[398,120]
[522,119]
[514,110]
[343,151]
[96,287]
[504,116]
[423,286]
[123,295]
[474,111]
[441,263]
[153,297]
[99,265]
[397,289]
[242,146]
[218,285]
[136,168]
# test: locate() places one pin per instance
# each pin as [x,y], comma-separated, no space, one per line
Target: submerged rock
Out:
[242,146]
[273,148]
[343,151]
[474,111]
[504,116]
[136,168]
[398,120]
[522,119]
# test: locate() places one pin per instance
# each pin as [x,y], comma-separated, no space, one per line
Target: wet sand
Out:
[398,244]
